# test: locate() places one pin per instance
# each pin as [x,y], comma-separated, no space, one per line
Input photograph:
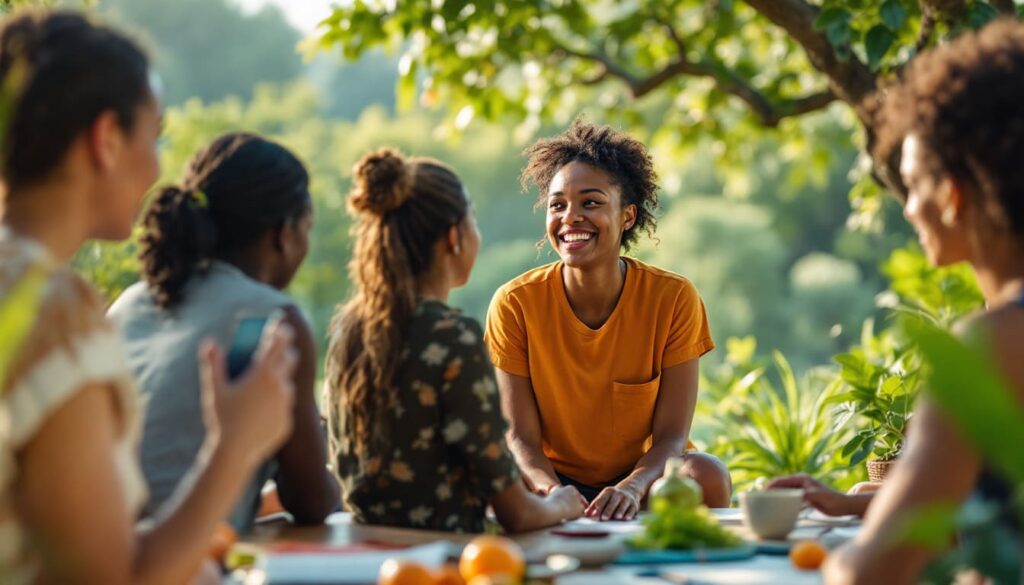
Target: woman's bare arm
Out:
[524,432]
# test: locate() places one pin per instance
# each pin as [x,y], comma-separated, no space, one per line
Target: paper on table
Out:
[728,515]
[342,569]
[817,516]
[614,527]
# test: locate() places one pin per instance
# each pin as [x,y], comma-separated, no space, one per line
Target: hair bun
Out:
[383,182]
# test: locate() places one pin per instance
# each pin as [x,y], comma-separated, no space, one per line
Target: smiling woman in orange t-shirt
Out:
[597,354]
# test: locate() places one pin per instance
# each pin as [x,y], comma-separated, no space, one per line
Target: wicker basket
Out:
[878,469]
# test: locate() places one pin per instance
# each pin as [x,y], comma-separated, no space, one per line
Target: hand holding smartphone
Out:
[244,344]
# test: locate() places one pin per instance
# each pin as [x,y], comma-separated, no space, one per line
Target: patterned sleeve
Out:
[472,421]
[690,336]
[70,346]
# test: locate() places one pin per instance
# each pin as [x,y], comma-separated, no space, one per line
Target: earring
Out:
[457,250]
[949,217]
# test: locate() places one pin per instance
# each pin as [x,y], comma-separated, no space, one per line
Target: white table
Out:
[340,531]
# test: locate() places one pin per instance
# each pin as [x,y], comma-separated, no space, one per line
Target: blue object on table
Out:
[667,557]
[778,548]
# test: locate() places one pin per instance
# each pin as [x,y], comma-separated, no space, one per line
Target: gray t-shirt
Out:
[162,348]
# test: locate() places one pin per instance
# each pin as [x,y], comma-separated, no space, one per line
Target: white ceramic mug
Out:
[771,514]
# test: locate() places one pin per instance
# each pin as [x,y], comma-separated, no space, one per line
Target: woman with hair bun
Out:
[416,429]
[218,248]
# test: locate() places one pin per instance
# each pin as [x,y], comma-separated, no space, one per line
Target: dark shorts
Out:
[588,491]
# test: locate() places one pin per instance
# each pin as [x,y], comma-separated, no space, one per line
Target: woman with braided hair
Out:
[416,428]
[216,249]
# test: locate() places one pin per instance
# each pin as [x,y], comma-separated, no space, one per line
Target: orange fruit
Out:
[221,541]
[492,555]
[448,575]
[403,572]
[807,554]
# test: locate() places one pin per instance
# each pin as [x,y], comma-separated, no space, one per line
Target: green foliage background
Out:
[792,249]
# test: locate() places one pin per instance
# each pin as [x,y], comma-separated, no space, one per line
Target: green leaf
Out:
[405,93]
[861,454]
[890,385]
[894,15]
[856,443]
[17,315]
[831,16]
[981,14]
[839,34]
[741,350]
[877,43]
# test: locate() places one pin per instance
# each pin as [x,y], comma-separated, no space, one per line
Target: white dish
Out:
[727,515]
[818,517]
[554,566]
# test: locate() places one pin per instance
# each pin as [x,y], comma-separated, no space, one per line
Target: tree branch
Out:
[769,112]
[674,35]
[849,79]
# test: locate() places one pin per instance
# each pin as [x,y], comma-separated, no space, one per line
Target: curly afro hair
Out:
[965,103]
[624,158]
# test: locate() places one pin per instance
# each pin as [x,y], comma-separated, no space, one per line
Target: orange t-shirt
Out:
[596,388]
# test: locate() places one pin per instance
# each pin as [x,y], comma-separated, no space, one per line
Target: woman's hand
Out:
[252,417]
[568,489]
[571,500]
[614,503]
[818,495]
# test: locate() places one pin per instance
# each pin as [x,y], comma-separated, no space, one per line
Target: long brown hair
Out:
[402,206]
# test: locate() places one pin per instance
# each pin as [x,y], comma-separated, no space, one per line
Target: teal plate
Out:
[667,557]
[773,547]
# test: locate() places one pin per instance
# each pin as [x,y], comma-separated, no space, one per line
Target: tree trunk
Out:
[851,80]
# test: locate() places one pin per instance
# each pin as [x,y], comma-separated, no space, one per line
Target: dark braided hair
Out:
[624,158]
[63,72]
[964,101]
[403,206]
[233,191]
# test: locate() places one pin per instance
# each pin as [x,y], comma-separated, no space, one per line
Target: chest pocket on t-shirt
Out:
[633,410]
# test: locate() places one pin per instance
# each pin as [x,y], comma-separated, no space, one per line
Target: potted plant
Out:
[879,379]
[878,386]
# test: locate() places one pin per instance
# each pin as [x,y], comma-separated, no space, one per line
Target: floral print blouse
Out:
[446,456]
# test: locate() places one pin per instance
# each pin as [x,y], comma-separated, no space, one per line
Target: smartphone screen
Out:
[244,344]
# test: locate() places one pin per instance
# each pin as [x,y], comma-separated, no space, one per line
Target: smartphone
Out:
[244,344]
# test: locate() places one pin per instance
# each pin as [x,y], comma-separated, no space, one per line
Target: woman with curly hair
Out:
[597,353]
[958,117]
[416,428]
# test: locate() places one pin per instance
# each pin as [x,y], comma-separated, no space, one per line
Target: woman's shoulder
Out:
[70,343]
[529,280]
[130,300]
[69,309]
[654,277]
[1000,329]
[442,320]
